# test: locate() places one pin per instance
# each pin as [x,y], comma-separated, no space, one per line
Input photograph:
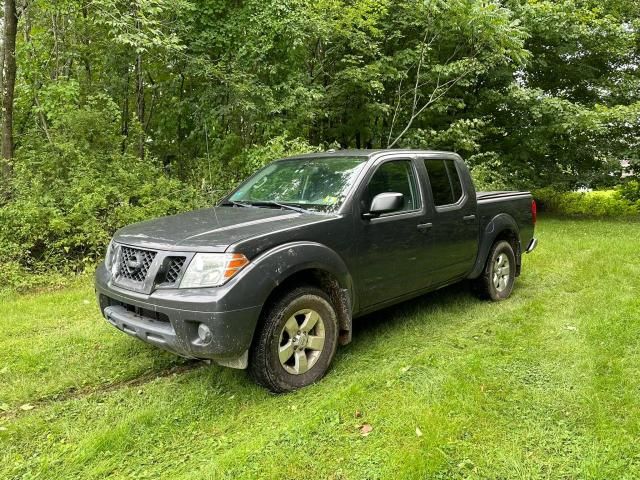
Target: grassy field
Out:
[544,385]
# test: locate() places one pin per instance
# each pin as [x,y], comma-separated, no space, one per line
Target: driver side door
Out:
[391,246]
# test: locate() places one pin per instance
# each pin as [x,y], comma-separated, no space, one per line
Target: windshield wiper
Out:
[281,205]
[237,204]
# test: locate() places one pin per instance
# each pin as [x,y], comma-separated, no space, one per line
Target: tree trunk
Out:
[2,68]
[125,110]
[140,103]
[9,43]
[85,55]
[140,89]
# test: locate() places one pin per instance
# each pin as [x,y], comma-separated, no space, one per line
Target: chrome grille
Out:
[174,268]
[134,263]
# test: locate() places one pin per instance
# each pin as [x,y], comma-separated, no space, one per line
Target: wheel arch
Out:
[501,227]
[307,263]
[328,283]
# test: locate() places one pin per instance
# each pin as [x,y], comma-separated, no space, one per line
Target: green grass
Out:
[544,385]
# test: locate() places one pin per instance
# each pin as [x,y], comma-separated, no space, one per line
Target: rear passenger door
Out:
[452,210]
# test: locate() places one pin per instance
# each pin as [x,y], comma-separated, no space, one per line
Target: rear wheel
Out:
[295,342]
[498,276]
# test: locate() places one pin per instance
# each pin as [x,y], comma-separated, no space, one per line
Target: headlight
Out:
[110,257]
[212,269]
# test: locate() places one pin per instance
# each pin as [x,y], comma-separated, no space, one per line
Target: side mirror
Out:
[385,203]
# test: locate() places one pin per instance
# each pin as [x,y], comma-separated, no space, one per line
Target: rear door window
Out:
[445,181]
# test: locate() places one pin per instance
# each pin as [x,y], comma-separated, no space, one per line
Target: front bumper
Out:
[169,319]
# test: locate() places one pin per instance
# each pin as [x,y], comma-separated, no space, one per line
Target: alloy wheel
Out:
[501,272]
[301,341]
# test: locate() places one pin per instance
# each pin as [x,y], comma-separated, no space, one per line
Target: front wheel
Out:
[295,342]
[499,274]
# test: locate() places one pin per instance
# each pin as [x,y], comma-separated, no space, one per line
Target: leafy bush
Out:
[488,173]
[599,203]
[71,193]
[630,191]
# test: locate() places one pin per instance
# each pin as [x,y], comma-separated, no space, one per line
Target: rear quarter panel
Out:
[498,211]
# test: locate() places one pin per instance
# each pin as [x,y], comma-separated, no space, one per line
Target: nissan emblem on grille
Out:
[135,263]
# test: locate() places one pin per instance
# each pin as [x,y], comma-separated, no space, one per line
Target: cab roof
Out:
[364,153]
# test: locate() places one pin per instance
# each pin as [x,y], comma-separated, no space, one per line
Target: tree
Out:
[8,84]
[143,28]
[119,96]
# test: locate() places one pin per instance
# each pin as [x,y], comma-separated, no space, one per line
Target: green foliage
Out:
[255,157]
[142,25]
[120,104]
[489,173]
[598,203]
[71,194]
[224,169]
[630,191]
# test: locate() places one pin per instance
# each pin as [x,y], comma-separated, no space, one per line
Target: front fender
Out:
[498,224]
[274,266]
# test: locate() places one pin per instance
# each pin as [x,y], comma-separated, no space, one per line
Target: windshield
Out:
[311,183]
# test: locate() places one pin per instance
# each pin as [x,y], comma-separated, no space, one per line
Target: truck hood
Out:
[212,229]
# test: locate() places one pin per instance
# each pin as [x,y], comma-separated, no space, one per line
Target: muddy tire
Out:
[295,341]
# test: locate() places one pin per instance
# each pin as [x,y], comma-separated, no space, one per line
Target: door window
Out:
[445,181]
[394,176]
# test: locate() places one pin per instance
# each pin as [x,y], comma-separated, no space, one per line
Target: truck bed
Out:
[500,194]
[515,204]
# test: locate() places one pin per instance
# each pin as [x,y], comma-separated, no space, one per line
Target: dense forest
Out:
[115,111]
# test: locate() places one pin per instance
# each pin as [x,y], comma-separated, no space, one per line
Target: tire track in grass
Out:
[82,392]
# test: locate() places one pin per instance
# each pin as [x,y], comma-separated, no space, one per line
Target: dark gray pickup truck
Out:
[272,278]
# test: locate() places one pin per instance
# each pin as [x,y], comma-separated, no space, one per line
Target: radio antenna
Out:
[206,138]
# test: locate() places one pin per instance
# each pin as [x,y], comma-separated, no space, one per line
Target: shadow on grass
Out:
[367,330]
[393,316]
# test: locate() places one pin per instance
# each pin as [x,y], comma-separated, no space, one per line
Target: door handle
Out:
[469,218]
[423,227]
